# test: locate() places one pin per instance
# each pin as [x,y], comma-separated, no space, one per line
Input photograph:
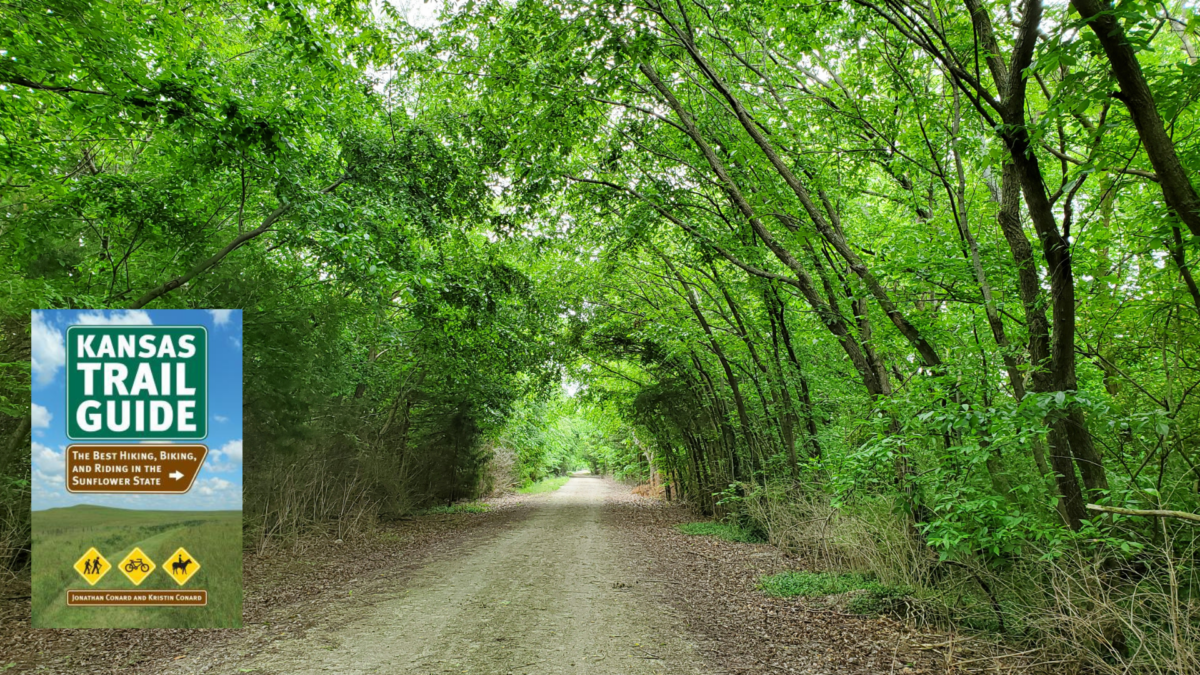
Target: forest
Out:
[904,286]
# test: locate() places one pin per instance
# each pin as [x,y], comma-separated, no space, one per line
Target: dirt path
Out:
[589,579]
[550,595]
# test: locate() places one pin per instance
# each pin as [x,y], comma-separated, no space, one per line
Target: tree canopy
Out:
[935,256]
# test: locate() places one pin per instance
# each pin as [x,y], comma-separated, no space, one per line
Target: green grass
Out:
[62,536]
[726,531]
[808,584]
[468,507]
[544,485]
[816,584]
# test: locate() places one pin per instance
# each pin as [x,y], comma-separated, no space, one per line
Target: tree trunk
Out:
[1068,429]
[1135,93]
[829,316]
[810,417]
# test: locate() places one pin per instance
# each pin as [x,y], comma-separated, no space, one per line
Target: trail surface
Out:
[550,595]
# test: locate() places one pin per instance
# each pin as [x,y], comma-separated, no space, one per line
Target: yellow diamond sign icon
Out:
[92,566]
[181,566]
[137,566]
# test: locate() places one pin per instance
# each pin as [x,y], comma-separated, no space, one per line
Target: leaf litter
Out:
[712,584]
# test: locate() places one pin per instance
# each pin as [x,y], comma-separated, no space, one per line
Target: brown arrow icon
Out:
[139,467]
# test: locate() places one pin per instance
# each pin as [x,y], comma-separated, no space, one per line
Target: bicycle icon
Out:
[137,566]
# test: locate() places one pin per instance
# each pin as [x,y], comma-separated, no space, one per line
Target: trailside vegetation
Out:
[907,289]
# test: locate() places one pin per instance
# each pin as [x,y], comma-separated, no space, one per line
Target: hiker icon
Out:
[183,566]
[91,566]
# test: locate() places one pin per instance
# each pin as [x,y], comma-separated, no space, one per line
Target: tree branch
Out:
[237,242]
[1151,513]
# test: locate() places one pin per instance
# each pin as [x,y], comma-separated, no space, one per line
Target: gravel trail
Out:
[552,595]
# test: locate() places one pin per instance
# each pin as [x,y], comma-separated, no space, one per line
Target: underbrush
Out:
[1087,603]
[649,491]
[444,509]
[726,531]
[306,495]
[343,489]
[815,584]
[14,531]
[544,485]
[867,595]
[501,473]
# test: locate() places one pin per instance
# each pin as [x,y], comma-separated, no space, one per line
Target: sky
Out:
[219,484]
[419,13]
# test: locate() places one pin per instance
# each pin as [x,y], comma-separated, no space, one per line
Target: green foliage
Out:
[547,436]
[451,509]
[190,159]
[832,297]
[544,485]
[874,599]
[726,531]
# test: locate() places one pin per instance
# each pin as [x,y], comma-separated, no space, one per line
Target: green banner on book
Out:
[137,382]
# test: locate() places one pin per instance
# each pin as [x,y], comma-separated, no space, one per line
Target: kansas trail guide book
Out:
[137,469]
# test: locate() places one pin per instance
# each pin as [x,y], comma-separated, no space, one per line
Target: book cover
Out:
[137,469]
